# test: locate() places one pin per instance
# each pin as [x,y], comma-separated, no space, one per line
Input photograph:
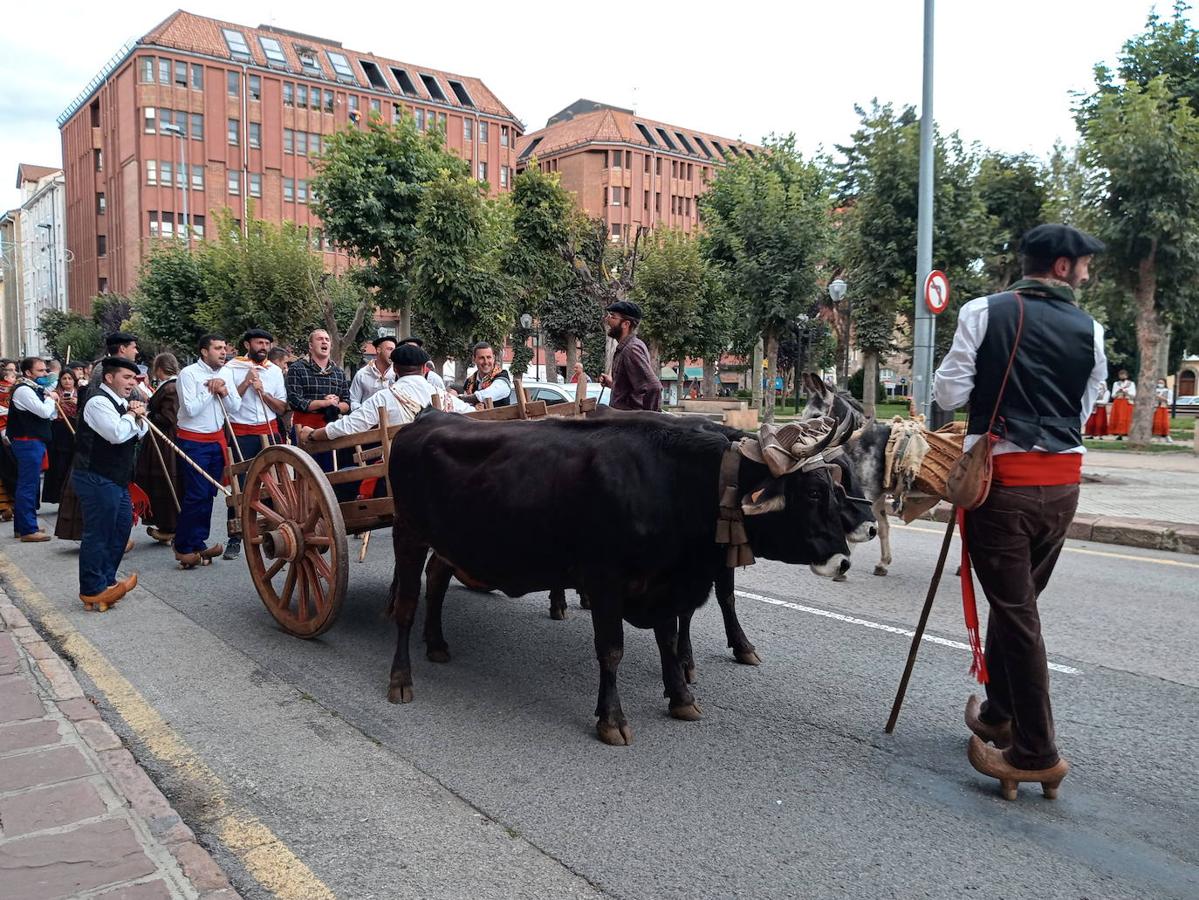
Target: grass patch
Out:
[1125,447]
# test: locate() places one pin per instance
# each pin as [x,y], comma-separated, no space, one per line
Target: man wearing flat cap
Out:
[634,382]
[1030,363]
[431,375]
[109,428]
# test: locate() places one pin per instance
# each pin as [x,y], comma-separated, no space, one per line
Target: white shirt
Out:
[1129,388]
[366,417]
[500,389]
[115,426]
[368,382]
[435,381]
[28,401]
[252,410]
[954,381]
[1102,395]
[199,409]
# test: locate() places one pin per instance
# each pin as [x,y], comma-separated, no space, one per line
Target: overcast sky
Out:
[1004,71]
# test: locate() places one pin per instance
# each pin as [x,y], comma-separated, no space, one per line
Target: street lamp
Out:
[801,334]
[526,322]
[184,175]
[838,290]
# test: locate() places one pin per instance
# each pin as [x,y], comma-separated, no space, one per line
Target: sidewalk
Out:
[78,816]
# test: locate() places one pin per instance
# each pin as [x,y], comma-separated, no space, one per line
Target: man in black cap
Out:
[634,382]
[431,375]
[110,426]
[1038,407]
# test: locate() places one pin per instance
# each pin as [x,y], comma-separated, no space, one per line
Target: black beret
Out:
[255,333]
[626,308]
[109,363]
[412,339]
[120,337]
[409,355]
[1053,241]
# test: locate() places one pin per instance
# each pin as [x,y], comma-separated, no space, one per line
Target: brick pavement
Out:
[78,816]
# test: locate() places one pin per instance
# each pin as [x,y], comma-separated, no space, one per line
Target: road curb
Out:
[198,876]
[1148,534]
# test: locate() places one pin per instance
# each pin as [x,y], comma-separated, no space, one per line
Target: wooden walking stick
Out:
[165,472]
[64,416]
[191,462]
[919,635]
[366,541]
[232,433]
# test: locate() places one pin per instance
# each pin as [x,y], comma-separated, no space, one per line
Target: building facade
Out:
[200,116]
[628,170]
[11,328]
[35,259]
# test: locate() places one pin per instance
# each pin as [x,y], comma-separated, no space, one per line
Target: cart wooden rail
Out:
[294,528]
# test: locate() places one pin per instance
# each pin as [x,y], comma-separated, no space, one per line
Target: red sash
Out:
[203,437]
[311,419]
[268,428]
[1037,469]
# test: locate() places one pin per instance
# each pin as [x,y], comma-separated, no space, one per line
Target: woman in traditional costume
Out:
[1097,423]
[1124,394]
[62,438]
[156,463]
[1161,411]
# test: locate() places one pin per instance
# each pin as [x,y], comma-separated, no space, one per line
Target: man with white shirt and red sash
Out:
[1015,537]
[259,384]
[109,429]
[204,394]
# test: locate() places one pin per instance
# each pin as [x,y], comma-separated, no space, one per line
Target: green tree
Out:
[61,331]
[1014,192]
[768,226]
[170,290]
[368,191]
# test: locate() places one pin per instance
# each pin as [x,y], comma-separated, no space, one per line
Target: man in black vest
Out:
[29,414]
[1015,537]
[110,426]
[489,381]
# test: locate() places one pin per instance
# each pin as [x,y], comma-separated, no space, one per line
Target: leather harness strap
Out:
[730,524]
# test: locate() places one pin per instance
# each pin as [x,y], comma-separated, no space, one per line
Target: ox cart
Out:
[294,528]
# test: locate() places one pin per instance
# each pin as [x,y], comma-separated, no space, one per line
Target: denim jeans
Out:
[107,520]
[29,456]
[195,513]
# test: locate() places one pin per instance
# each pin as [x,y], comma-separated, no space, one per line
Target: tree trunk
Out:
[655,364]
[709,387]
[405,323]
[755,376]
[869,381]
[1149,339]
[772,360]
[549,371]
[439,365]
[572,355]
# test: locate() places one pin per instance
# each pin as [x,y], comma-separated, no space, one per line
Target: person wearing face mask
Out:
[1161,411]
[30,413]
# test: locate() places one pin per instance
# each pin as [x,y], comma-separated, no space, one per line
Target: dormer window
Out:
[308,60]
[433,87]
[236,42]
[341,66]
[274,52]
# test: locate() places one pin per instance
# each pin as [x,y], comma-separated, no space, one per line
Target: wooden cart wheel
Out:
[295,540]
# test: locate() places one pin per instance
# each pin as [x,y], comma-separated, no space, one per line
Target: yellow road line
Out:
[1107,553]
[264,856]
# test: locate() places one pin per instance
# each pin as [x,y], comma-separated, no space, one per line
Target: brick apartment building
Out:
[626,169]
[201,115]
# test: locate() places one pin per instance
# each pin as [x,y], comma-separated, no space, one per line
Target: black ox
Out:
[642,488]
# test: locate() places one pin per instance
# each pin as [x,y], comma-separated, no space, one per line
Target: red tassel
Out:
[140,501]
[978,665]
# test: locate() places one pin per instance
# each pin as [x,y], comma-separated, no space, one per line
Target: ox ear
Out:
[766,499]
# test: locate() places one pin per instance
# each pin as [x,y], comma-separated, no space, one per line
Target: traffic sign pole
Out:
[925,330]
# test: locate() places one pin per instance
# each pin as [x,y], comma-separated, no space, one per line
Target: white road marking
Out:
[879,626]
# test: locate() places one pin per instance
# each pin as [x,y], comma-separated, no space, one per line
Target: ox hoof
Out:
[688,712]
[556,614]
[614,735]
[748,657]
[437,655]
[880,569]
[400,693]
[840,576]
[689,673]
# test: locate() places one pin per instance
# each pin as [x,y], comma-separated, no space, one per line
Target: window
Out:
[440,120]
[152,216]
[341,66]
[645,204]
[168,225]
[658,202]
[328,101]
[234,181]
[289,190]
[674,168]
[288,141]
[503,176]
[181,73]
[308,61]
[683,140]
[396,112]
[433,87]
[197,126]
[101,204]
[647,164]
[233,83]
[404,82]
[301,95]
[198,226]
[236,42]
[274,51]
[289,94]
[468,133]
[101,245]
[166,173]
[376,105]
[373,76]
[419,116]
[687,205]
[164,71]
[703,146]
[198,178]
[482,132]
[197,77]
[301,143]
[352,102]
[233,130]
[146,70]
[301,191]
[314,98]
[460,92]
[666,138]
[151,171]
[736,152]
[616,231]
[617,159]
[103,285]
[254,88]
[690,172]
[719,149]
[254,137]
[616,196]
[482,171]
[750,152]
[255,184]
[503,135]
[649,138]
[98,160]
[658,166]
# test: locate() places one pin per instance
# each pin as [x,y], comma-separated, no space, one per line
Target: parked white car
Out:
[553,393]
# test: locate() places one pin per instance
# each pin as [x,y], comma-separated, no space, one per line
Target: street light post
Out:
[801,338]
[526,322]
[185,183]
[838,290]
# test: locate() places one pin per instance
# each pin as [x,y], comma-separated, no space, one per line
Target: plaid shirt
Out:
[307,382]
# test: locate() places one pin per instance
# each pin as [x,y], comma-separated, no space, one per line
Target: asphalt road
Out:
[492,784]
